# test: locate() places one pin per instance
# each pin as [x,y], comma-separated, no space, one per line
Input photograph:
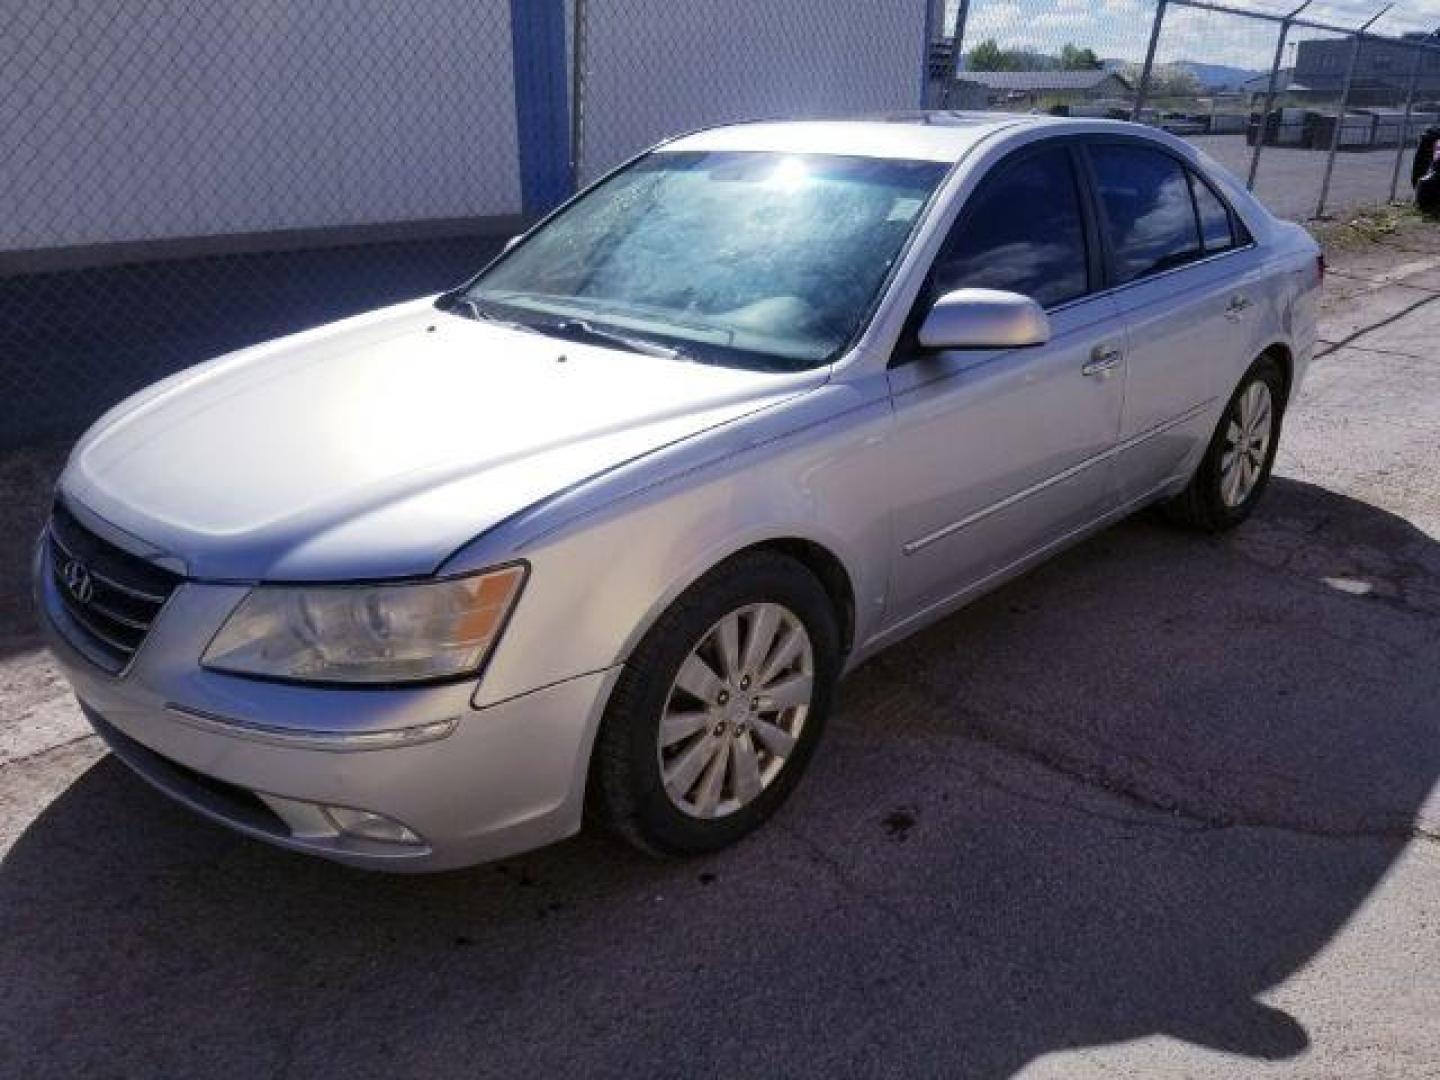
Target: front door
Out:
[998,454]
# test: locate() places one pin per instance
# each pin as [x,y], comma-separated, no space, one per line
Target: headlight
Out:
[367,633]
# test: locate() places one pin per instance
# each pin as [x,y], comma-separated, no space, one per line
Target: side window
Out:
[1216,230]
[1022,231]
[1148,210]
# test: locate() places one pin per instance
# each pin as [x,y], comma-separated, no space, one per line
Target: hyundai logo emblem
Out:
[79,582]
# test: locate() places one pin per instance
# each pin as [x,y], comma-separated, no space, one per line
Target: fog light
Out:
[367,825]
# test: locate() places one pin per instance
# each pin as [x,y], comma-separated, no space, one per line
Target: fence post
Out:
[1147,71]
[1340,116]
[1405,123]
[542,121]
[933,8]
[957,43]
[577,95]
[1270,92]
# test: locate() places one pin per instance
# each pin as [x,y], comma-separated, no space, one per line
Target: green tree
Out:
[1077,59]
[1166,80]
[988,56]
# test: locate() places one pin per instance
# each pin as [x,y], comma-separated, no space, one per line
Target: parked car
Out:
[1182,124]
[598,531]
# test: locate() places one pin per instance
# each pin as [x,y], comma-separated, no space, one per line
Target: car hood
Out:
[377,446]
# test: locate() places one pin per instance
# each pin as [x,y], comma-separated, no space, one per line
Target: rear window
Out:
[1215,231]
[1148,210]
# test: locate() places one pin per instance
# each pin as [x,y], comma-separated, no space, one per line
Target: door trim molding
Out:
[993,580]
[1119,448]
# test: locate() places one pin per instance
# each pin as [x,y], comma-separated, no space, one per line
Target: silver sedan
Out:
[595,534]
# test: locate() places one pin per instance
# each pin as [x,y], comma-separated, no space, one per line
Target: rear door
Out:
[1178,263]
[999,453]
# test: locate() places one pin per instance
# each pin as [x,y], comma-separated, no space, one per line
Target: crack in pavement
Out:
[22,759]
[837,871]
[1387,283]
[1389,320]
[1393,578]
[1174,808]
[1199,819]
[1335,346]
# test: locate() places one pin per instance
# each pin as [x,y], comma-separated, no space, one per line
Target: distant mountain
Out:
[1219,76]
[1211,76]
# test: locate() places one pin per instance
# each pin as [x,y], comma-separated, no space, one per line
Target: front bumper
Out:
[263,758]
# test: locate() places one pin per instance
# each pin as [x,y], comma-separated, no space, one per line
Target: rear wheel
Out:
[1235,471]
[719,708]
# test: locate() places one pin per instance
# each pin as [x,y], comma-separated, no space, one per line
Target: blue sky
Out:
[1120,28]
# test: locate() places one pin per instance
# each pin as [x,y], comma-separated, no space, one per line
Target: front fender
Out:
[605,563]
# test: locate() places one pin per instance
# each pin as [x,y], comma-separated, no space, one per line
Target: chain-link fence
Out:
[1307,102]
[653,68]
[179,178]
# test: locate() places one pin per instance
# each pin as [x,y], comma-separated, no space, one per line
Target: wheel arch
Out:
[1285,358]
[829,571]
[819,558]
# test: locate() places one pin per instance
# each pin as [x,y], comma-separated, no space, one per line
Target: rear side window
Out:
[1022,231]
[1148,211]
[1216,229]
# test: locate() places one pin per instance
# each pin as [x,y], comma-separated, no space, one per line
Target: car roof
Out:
[946,137]
[916,135]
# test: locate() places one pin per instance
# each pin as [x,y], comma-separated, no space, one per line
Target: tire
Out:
[628,780]
[1210,503]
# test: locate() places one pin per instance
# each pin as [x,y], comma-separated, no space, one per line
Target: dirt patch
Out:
[1396,228]
[27,479]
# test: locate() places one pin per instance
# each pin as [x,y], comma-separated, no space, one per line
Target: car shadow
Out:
[1127,795]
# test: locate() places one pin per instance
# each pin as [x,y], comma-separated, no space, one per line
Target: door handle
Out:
[1237,306]
[1105,359]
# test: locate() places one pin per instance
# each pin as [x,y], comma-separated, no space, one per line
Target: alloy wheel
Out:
[735,710]
[1247,442]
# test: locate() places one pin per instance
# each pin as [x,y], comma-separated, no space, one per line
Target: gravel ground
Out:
[1164,807]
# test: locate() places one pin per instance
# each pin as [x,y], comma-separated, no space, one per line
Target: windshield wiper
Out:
[565,326]
[467,306]
[582,330]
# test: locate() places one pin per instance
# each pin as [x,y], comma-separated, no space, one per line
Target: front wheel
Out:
[1236,468]
[719,708]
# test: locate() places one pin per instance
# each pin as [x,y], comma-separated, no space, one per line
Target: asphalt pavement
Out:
[1165,807]
[1289,179]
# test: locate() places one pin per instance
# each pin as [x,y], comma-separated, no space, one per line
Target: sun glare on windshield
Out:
[761,259]
[789,175]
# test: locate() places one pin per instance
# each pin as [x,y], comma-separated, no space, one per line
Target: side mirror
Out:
[984,319]
[512,242]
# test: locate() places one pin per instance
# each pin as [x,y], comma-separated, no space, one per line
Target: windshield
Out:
[761,260]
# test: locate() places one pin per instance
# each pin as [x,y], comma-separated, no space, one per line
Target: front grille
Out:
[109,596]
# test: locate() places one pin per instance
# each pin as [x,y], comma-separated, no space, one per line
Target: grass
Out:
[1370,225]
